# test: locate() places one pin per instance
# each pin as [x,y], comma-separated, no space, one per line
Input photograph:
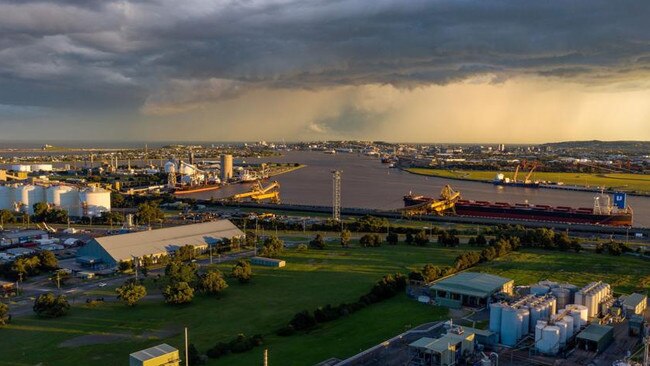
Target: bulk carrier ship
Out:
[603,212]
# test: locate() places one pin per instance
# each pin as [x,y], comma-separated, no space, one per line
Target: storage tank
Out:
[539,326]
[562,295]
[570,326]
[7,197]
[591,303]
[525,321]
[578,298]
[41,167]
[27,196]
[549,284]
[535,314]
[539,290]
[572,290]
[510,326]
[94,201]
[563,326]
[21,168]
[495,317]
[64,197]
[170,167]
[550,342]
[579,314]
[553,305]
[226,167]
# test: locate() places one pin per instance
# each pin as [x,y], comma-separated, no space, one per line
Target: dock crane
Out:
[523,165]
[259,193]
[446,202]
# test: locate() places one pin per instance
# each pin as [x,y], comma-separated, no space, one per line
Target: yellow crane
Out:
[447,201]
[259,193]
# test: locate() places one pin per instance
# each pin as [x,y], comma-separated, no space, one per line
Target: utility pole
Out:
[266,357]
[187,357]
[336,195]
[210,253]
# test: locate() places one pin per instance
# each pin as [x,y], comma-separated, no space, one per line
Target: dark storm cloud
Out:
[154,52]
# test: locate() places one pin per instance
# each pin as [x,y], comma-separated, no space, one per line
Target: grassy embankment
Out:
[628,182]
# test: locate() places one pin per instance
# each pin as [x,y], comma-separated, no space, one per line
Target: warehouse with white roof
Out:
[108,251]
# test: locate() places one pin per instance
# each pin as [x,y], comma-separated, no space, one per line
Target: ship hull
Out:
[196,189]
[531,213]
[516,184]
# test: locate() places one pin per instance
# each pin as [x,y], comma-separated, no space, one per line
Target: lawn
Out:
[628,182]
[626,274]
[310,279]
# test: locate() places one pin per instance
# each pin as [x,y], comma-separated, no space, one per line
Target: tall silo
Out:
[27,196]
[66,198]
[7,197]
[226,167]
[495,317]
[510,326]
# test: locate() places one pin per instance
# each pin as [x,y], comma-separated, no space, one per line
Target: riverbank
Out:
[635,184]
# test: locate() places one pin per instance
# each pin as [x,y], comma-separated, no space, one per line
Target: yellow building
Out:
[160,355]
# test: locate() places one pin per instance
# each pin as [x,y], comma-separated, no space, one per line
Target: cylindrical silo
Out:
[578,298]
[7,197]
[510,326]
[94,201]
[570,326]
[535,314]
[562,325]
[539,326]
[27,196]
[572,290]
[495,317]
[525,321]
[550,342]
[562,295]
[65,198]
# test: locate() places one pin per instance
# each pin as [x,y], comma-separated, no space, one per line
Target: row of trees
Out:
[387,287]
[23,267]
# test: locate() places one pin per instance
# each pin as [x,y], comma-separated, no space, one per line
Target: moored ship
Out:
[603,212]
[187,189]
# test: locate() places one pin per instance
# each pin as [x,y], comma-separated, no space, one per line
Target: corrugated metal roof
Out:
[153,352]
[471,283]
[138,244]
[634,300]
[595,332]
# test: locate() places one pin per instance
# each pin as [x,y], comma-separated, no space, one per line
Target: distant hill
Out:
[603,146]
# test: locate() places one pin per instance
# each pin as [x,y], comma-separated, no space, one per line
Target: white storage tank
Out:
[27,196]
[495,317]
[94,201]
[41,167]
[21,168]
[510,326]
[563,326]
[579,314]
[7,197]
[570,326]
[66,198]
[535,314]
[525,321]
[550,342]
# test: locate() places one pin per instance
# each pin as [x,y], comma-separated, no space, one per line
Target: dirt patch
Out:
[92,339]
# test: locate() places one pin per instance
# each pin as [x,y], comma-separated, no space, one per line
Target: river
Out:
[366,183]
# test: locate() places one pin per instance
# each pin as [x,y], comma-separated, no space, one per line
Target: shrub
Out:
[242,271]
[303,321]
[50,306]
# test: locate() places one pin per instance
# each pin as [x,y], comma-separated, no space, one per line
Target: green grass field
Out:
[626,274]
[311,279]
[628,182]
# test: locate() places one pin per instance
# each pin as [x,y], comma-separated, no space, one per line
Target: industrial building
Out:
[595,338]
[108,251]
[469,289]
[268,262]
[443,351]
[635,304]
[161,355]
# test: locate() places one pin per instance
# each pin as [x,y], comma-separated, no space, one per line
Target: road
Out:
[22,305]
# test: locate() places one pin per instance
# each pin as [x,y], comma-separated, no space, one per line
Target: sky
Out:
[511,71]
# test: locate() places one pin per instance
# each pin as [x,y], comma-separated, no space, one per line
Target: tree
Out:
[185,253]
[148,212]
[212,282]
[242,271]
[346,235]
[176,271]
[392,238]
[318,242]
[131,292]
[48,260]
[40,211]
[421,239]
[5,317]
[50,306]
[272,247]
[370,240]
[178,293]
[6,216]
[124,266]
[251,239]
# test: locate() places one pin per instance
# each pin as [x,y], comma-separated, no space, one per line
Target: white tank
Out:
[170,167]
[187,169]
[578,298]
[510,326]
[570,326]
[41,167]
[7,197]
[535,314]
[591,303]
[563,330]
[27,196]
[525,321]
[579,314]
[64,197]
[21,168]
[550,341]
[495,317]
[94,201]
